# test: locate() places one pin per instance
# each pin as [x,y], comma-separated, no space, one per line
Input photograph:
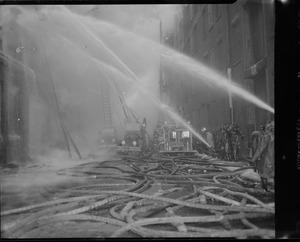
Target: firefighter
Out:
[218,141]
[210,138]
[236,141]
[180,111]
[265,150]
[255,141]
[144,135]
[157,135]
[144,124]
[183,114]
[203,133]
[227,142]
[210,141]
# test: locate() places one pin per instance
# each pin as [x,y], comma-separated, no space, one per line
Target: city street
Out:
[140,121]
[158,197]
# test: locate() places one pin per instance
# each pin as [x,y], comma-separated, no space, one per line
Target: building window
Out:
[212,57]
[225,110]
[184,49]
[198,45]
[205,58]
[195,8]
[256,30]
[197,36]
[1,36]
[217,11]
[220,63]
[204,22]
[192,45]
[185,23]
[236,39]
[193,40]
[190,11]
[210,16]
[189,48]
[249,84]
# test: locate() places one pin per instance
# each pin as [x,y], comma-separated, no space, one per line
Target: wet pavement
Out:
[132,187]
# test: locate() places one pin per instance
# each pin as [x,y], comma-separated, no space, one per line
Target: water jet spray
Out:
[194,67]
[198,69]
[134,77]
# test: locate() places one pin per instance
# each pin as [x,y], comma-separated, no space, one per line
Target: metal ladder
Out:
[106,102]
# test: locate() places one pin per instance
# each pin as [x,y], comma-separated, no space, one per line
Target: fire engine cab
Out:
[173,140]
[132,142]
[108,139]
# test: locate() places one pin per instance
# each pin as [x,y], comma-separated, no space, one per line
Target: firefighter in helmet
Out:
[265,151]
[144,135]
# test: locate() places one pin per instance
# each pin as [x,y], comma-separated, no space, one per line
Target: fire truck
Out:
[107,138]
[132,142]
[173,140]
[169,139]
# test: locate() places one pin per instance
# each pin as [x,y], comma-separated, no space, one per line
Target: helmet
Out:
[268,127]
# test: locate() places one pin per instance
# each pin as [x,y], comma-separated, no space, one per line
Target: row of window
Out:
[245,26]
[210,13]
[211,115]
[213,11]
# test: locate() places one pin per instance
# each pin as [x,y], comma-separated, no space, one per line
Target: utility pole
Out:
[229,61]
[230,96]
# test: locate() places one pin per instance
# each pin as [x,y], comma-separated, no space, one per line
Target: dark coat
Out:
[265,151]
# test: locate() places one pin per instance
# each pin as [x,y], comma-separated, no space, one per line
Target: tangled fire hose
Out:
[184,192]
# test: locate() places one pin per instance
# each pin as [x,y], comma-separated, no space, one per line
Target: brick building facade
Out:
[234,39]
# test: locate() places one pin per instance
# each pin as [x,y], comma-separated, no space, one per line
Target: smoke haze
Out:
[68,64]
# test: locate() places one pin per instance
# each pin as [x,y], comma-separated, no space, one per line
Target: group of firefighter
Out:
[225,144]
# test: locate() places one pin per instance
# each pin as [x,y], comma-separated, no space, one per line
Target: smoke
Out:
[169,15]
[26,187]
[129,16]
[145,21]
[59,50]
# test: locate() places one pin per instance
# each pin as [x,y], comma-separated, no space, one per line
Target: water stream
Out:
[86,35]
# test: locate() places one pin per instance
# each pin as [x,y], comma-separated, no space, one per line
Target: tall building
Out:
[13,97]
[237,41]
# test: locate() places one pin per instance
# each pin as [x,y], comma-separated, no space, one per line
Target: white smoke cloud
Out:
[67,53]
[168,14]
[128,16]
[145,21]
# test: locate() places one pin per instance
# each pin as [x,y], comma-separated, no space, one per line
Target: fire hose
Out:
[209,180]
